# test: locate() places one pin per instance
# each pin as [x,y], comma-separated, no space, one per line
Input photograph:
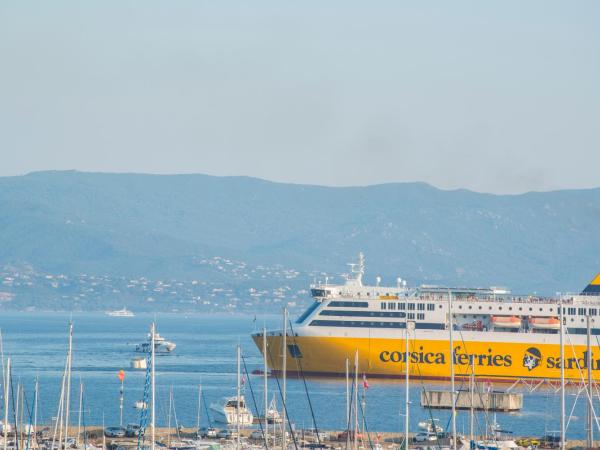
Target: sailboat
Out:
[233,410]
[272,415]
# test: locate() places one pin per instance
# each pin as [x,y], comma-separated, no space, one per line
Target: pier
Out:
[488,401]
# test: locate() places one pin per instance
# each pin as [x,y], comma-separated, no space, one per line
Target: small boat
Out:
[496,444]
[226,411]
[431,426]
[140,404]
[120,313]
[161,345]
[544,323]
[272,415]
[476,325]
[139,363]
[506,322]
[499,439]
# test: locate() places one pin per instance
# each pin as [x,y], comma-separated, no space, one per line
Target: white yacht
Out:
[161,345]
[272,415]
[120,313]
[228,412]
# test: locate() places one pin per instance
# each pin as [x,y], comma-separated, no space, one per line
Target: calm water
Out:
[37,344]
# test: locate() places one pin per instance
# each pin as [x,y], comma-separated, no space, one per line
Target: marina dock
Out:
[488,401]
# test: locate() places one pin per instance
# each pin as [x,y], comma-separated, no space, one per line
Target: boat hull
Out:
[230,417]
[494,358]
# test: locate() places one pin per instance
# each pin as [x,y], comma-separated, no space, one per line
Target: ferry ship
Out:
[496,335]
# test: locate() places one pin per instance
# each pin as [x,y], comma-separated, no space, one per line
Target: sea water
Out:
[206,355]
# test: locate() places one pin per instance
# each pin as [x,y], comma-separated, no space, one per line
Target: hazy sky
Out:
[492,96]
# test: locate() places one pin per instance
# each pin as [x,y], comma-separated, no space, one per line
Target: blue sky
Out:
[492,96]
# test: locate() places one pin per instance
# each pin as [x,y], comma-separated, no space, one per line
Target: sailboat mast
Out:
[348,413]
[17,407]
[80,408]
[406,380]
[265,387]
[6,393]
[103,434]
[451,325]
[590,409]
[356,400]
[153,382]
[562,378]
[199,410]
[237,403]
[2,356]
[68,393]
[472,411]
[169,417]
[35,407]
[284,390]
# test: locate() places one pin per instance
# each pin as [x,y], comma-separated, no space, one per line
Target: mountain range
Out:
[161,225]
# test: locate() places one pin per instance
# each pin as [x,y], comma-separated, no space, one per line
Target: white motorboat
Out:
[227,411]
[496,444]
[140,404]
[139,363]
[120,313]
[161,345]
[431,426]
[272,415]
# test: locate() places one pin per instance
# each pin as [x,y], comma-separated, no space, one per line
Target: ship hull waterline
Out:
[325,356]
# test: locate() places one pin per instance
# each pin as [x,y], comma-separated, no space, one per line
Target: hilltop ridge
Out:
[160,226]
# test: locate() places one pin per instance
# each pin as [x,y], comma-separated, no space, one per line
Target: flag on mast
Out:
[121,375]
[365,382]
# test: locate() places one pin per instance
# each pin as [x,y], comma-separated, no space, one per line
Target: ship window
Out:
[500,308]
[391,305]
[411,316]
[520,308]
[430,307]
[387,294]
[383,305]
[339,304]
[581,311]
[411,306]
[470,307]
[402,306]
[439,306]
[421,306]
[308,312]
[480,307]
[420,316]
[343,323]
[459,306]
[510,308]
[593,312]
[343,313]
[368,294]
[571,311]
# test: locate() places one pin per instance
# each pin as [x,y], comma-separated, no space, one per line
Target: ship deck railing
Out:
[570,300]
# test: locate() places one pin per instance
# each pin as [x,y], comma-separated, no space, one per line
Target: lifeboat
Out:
[544,323]
[476,325]
[506,322]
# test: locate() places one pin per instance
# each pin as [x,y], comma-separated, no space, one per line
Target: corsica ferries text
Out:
[460,358]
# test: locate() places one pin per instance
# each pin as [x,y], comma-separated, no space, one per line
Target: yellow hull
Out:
[429,359]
